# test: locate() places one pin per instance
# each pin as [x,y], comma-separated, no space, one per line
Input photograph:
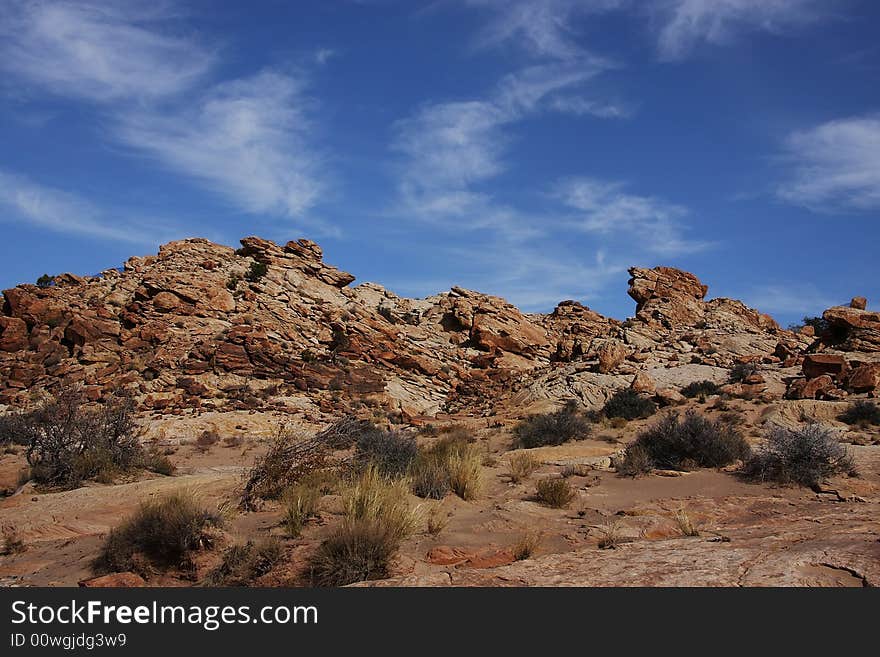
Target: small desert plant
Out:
[610,535]
[741,371]
[693,441]
[164,531]
[346,431]
[700,389]
[553,428]
[377,519]
[629,405]
[437,522]
[232,282]
[156,461]
[256,272]
[300,504]
[636,461]
[45,281]
[802,456]
[555,493]
[861,413]
[527,545]
[242,564]
[685,524]
[207,439]
[429,475]
[464,466]
[451,463]
[392,452]
[521,466]
[12,543]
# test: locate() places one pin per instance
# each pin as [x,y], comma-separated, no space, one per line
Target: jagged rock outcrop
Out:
[207,327]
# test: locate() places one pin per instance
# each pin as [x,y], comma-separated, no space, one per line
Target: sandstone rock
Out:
[667,296]
[864,378]
[669,397]
[818,364]
[13,334]
[611,354]
[859,330]
[642,383]
[859,303]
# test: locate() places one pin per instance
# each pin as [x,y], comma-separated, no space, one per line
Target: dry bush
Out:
[700,389]
[69,440]
[556,493]
[521,466]
[156,461]
[527,545]
[636,461]
[628,405]
[576,470]
[392,452]
[346,432]
[207,439]
[429,476]
[803,456]
[452,463]
[553,428]
[377,520]
[742,371]
[465,468]
[291,457]
[242,564]
[861,413]
[12,543]
[164,531]
[300,504]
[693,441]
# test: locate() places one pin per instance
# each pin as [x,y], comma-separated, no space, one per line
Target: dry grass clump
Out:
[802,456]
[685,524]
[301,500]
[553,428]
[451,464]
[521,466]
[377,520]
[165,532]
[392,452]
[527,545]
[610,535]
[242,564]
[437,521]
[554,492]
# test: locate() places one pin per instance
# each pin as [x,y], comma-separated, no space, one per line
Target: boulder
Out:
[667,296]
[864,378]
[859,303]
[114,580]
[818,364]
[642,383]
[857,330]
[611,355]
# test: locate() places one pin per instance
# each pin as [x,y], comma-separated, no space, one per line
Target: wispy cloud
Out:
[39,205]
[544,28]
[684,24]
[790,299]
[580,106]
[604,208]
[245,140]
[99,51]
[836,165]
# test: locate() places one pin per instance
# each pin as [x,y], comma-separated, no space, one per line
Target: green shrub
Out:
[552,428]
[164,531]
[629,405]
[861,413]
[693,441]
[700,389]
[45,281]
[256,272]
[803,456]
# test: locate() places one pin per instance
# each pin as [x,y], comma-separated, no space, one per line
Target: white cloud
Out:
[323,55]
[245,140]
[99,51]
[541,27]
[791,299]
[687,23]
[580,106]
[29,202]
[836,165]
[604,208]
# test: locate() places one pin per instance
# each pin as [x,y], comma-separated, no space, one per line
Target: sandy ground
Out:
[749,534]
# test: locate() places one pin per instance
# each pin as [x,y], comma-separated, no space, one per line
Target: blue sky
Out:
[531,149]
